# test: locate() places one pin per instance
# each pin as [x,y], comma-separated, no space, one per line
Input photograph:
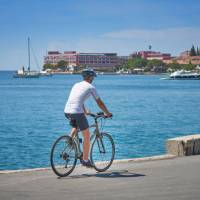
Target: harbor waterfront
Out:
[147,111]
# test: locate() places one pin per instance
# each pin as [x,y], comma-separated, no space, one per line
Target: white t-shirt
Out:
[79,93]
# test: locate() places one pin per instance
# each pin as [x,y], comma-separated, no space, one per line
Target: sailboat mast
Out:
[29,59]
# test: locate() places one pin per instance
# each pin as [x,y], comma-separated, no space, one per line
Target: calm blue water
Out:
[147,111]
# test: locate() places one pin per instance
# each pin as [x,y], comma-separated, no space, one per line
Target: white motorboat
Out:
[184,75]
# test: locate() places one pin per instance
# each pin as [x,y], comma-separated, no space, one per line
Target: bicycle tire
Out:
[97,162]
[63,156]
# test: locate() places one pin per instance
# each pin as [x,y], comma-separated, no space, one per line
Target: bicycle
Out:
[66,150]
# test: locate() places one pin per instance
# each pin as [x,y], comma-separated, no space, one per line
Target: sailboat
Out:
[22,73]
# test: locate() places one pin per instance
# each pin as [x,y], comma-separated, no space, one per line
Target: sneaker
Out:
[87,163]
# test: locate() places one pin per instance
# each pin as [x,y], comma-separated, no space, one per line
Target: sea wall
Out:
[184,146]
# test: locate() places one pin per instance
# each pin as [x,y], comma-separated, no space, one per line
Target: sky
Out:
[121,26]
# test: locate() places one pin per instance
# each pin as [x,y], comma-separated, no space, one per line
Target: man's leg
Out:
[86,144]
[73,132]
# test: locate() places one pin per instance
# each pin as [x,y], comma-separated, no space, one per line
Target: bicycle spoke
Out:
[102,152]
[63,156]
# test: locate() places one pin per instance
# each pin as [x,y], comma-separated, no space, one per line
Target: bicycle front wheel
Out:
[102,152]
[63,156]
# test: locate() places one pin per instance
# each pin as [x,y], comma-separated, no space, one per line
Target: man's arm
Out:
[103,107]
[85,110]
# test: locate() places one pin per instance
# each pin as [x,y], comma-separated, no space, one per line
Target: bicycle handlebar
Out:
[98,115]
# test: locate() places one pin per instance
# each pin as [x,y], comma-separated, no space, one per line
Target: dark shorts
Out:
[78,120]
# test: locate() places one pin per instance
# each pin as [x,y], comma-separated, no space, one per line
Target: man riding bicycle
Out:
[75,110]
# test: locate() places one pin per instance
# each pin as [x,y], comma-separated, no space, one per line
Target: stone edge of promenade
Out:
[145,159]
[184,146]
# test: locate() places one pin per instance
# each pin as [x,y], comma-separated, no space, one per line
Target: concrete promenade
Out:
[169,179]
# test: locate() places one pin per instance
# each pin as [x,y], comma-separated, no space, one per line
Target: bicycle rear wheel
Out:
[63,156]
[102,152]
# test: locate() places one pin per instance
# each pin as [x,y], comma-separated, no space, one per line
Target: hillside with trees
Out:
[61,65]
[155,66]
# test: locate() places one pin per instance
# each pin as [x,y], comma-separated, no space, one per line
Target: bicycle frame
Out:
[96,133]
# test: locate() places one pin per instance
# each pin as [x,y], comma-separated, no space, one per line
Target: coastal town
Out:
[140,62]
[100,100]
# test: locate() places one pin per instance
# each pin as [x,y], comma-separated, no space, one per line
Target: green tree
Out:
[48,66]
[192,51]
[129,64]
[160,69]
[174,66]
[156,66]
[155,63]
[62,65]
[188,67]
[135,63]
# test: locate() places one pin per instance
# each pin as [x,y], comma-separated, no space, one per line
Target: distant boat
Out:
[26,74]
[122,72]
[45,73]
[100,73]
[184,75]
[22,73]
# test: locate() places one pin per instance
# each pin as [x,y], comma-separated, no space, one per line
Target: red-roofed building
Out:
[99,61]
[185,58]
[54,57]
[151,55]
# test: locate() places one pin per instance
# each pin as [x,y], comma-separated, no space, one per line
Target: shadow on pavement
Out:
[108,174]
[118,174]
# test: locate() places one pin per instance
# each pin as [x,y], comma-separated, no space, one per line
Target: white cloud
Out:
[160,34]
[124,42]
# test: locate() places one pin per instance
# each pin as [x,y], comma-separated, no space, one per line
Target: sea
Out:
[147,111]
